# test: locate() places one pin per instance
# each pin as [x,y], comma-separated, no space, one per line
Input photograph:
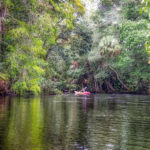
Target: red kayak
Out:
[82,93]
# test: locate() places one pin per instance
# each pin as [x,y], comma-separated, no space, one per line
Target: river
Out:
[69,122]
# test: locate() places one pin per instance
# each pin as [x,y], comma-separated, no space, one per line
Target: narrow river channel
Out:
[69,122]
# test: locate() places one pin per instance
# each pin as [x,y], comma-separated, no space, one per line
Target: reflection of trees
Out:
[77,131]
[71,123]
[45,124]
[55,120]
[135,128]
[125,125]
[65,124]
[4,119]
[104,128]
[25,125]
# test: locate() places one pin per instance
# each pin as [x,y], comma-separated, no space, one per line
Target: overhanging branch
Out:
[111,68]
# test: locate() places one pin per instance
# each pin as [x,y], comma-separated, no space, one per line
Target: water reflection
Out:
[71,122]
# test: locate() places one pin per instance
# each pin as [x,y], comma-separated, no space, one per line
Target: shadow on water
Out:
[68,122]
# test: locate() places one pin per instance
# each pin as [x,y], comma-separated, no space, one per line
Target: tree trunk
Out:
[118,77]
[2,37]
[109,86]
[2,16]
[96,85]
[100,87]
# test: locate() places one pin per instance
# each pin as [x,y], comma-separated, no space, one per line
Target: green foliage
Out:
[47,49]
[119,59]
[109,3]
[101,75]
[60,72]
[20,87]
[79,6]
[3,76]
[76,73]
[131,9]
[146,9]
[33,27]
[24,60]
[146,6]
[133,62]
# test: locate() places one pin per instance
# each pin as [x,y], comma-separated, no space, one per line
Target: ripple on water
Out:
[97,122]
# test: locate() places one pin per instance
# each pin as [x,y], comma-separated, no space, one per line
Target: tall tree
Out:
[2,17]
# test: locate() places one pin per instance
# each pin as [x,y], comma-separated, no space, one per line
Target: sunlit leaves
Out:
[3,76]
[146,6]
[146,9]
[19,32]
[33,27]
[79,5]
[19,87]
[134,58]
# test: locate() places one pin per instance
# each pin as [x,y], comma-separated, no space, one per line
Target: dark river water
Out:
[69,122]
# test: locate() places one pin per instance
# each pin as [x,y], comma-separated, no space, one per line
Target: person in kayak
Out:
[84,89]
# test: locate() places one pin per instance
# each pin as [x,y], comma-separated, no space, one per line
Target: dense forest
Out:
[56,46]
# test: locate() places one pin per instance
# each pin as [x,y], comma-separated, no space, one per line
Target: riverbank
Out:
[30,94]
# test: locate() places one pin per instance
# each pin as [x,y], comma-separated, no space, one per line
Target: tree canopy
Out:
[50,46]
